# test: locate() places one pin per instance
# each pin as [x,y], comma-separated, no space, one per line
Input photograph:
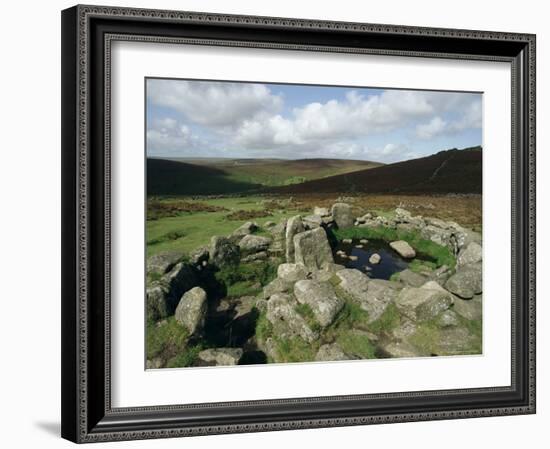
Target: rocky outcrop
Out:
[252,244]
[162,263]
[220,356]
[312,250]
[286,320]
[191,310]
[293,226]
[245,229]
[291,272]
[466,282]
[422,304]
[342,215]
[470,254]
[223,252]
[321,298]
[330,353]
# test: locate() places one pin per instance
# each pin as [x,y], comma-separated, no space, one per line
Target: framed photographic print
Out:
[283,223]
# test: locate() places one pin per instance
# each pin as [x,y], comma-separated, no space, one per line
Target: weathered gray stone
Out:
[330,353]
[471,309]
[354,284]
[277,285]
[465,236]
[157,301]
[162,263]
[245,229]
[269,224]
[199,255]
[286,321]
[404,330]
[221,356]
[379,295]
[403,249]
[411,278]
[400,349]
[375,259]
[448,318]
[466,282]
[251,244]
[291,272]
[293,226]
[322,299]
[322,211]
[191,310]
[470,254]
[311,249]
[262,255]
[342,215]
[313,221]
[421,304]
[223,252]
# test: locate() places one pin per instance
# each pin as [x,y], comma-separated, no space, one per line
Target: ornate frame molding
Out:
[87,420]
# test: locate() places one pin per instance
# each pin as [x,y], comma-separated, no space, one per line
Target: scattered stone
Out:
[406,329]
[321,298]
[287,322]
[363,241]
[313,221]
[245,229]
[199,256]
[294,226]
[277,285]
[262,255]
[400,349]
[448,318]
[466,282]
[470,254]
[162,263]
[321,211]
[269,224]
[471,309]
[375,259]
[223,252]
[353,258]
[422,304]
[291,272]
[354,283]
[342,214]
[221,356]
[191,310]
[359,246]
[251,244]
[156,363]
[347,241]
[411,278]
[330,353]
[334,267]
[403,249]
[311,249]
[380,294]
[157,301]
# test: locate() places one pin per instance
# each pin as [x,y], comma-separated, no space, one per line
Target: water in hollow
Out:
[390,261]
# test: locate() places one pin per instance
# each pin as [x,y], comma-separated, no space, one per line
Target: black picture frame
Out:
[87,32]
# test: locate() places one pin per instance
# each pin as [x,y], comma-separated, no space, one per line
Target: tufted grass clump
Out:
[357,345]
[165,339]
[295,349]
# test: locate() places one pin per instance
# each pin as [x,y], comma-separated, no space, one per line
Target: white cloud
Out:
[218,104]
[469,118]
[167,136]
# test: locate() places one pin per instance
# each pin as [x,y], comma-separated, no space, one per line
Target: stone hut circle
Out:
[313,309]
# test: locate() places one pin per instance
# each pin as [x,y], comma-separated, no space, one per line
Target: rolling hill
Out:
[210,176]
[451,171]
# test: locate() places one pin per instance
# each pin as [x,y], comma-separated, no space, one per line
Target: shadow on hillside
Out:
[166,177]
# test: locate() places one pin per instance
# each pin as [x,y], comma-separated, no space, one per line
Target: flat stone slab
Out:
[402,248]
[322,299]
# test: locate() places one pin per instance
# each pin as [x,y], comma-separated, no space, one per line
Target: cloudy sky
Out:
[240,120]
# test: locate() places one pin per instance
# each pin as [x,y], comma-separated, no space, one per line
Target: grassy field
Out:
[190,223]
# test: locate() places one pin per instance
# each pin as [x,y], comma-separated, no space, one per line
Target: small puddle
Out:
[390,261]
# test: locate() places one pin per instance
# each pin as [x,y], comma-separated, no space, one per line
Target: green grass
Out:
[166,340]
[356,344]
[307,313]
[419,265]
[264,328]
[195,229]
[424,248]
[246,279]
[295,350]
[186,357]
[388,321]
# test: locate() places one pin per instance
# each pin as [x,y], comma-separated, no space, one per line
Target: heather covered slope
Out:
[451,171]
